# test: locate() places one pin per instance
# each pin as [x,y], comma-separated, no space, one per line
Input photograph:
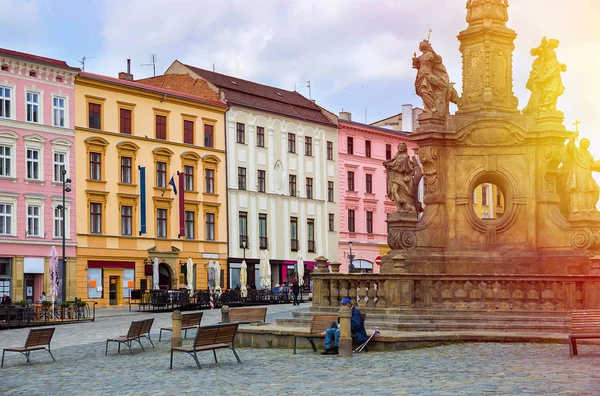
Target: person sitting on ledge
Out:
[357,329]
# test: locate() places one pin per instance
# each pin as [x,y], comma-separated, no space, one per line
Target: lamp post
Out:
[63,269]
[351,258]
[244,245]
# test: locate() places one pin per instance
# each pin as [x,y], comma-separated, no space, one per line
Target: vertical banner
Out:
[181,205]
[142,199]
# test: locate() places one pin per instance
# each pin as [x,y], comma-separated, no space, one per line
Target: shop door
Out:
[112,291]
[29,289]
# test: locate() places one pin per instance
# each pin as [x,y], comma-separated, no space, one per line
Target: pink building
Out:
[364,205]
[36,145]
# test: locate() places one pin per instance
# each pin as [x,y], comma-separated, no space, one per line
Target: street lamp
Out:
[244,244]
[65,189]
[351,258]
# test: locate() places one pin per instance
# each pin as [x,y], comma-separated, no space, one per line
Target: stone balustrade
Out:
[457,292]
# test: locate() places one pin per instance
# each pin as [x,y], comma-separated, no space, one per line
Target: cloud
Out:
[21,24]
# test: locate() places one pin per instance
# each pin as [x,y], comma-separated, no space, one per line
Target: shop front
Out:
[110,282]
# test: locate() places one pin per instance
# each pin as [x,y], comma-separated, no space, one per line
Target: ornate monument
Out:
[543,254]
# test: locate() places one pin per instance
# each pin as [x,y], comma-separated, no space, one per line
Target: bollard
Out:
[345,348]
[225,314]
[176,336]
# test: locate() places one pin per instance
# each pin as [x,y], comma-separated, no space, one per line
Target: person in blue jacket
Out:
[357,328]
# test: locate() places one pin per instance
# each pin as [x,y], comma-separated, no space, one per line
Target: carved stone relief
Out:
[474,72]
[428,157]
[492,133]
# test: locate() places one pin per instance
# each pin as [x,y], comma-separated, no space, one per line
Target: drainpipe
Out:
[226,192]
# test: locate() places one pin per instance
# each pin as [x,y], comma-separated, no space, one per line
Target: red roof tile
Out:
[183,83]
[151,88]
[35,58]
[263,97]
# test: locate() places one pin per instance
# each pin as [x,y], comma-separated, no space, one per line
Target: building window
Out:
[95,218]
[33,220]
[241,133]
[60,162]
[161,174]
[5,160]
[291,143]
[58,222]
[309,187]
[126,170]
[369,183]
[126,214]
[188,178]
[350,145]
[330,151]
[350,220]
[331,222]
[350,181]
[125,121]
[209,180]
[209,136]
[368,148]
[161,223]
[294,233]
[241,178]
[210,226]
[292,185]
[243,220]
[58,111]
[188,132]
[261,181]
[189,224]
[95,166]
[33,164]
[33,106]
[330,191]
[308,146]
[6,211]
[5,102]
[369,222]
[260,136]
[484,195]
[94,110]
[262,231]
[388,151]
[161,127]
[310,223]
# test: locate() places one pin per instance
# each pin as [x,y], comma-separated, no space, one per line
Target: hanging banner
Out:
[142,199]
[181,205]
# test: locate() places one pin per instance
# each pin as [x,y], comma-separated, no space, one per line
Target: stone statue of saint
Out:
[432,83]
[580,188]
[401,181]
[545,82]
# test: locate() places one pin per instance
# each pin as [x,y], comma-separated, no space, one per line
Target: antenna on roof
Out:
[153,64]
[82,61]
[213,67]
[307,82]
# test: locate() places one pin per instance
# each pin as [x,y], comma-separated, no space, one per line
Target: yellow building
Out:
[488,201]
[131,141]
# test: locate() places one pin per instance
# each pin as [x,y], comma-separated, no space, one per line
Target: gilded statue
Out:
[432,83]
[487,9]
[403,177]
[580,189]
[545,82]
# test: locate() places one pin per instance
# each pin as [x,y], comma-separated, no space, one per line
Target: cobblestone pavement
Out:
[469,369]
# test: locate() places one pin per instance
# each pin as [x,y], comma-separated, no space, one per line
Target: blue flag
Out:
[172,183]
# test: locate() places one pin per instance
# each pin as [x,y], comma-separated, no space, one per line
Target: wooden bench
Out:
[247,315]
[210,338]
[145,331]
[318,324]
[584,325]
[133,334]
[37,339]
[188,321]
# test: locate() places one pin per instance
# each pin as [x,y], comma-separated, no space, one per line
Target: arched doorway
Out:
[165,276]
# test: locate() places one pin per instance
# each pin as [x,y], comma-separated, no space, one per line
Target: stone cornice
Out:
[5,122]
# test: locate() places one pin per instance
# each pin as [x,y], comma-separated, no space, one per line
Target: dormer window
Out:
[32,73]
[233,82]
[277,93]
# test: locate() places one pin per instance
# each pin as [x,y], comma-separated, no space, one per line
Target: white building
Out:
[281,177]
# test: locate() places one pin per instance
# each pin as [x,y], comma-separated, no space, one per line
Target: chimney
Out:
[126,75]
[407,118]
[346,115]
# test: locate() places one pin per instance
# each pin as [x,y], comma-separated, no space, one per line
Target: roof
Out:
[183,83]
[150,88]
[264,97]
[35,58]
[376,128]
[399,115]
